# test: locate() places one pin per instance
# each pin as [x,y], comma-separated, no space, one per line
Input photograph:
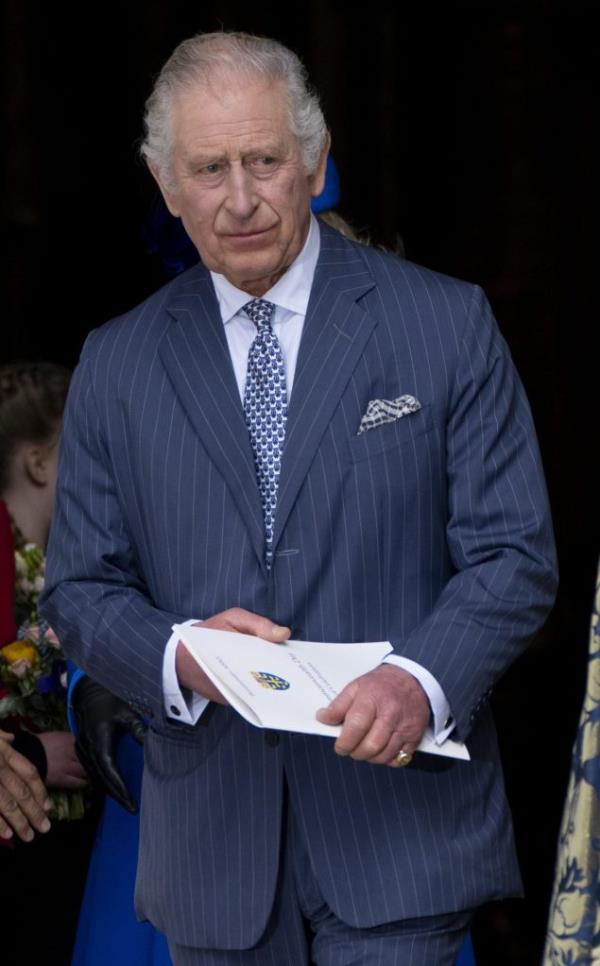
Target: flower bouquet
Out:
[33,672]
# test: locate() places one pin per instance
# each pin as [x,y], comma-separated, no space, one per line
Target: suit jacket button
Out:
[271,738]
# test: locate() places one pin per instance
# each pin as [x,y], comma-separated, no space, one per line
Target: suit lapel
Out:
[336,331]
[195,354]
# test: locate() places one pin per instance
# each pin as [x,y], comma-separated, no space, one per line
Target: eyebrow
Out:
[198,160]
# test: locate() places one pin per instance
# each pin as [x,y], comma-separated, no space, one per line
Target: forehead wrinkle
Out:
[255,128]
[221,136]
[191,107]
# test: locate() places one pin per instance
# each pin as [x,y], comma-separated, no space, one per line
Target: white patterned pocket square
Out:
[381,411]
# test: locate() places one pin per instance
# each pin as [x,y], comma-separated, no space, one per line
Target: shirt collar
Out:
[291,292]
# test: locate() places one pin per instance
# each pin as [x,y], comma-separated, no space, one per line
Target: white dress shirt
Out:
[290,297]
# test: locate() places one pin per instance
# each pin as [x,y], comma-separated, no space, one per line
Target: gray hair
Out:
[199,59]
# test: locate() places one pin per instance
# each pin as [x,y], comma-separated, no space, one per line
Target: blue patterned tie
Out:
[265,406]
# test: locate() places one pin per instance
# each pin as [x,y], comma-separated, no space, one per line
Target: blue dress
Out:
[108,930]
[466,956]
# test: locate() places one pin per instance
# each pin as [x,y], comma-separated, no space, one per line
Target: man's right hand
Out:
[191,676]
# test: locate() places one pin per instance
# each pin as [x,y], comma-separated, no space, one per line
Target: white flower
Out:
[38,585]
[20,566]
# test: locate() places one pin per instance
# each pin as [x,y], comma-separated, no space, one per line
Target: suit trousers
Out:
[303,930]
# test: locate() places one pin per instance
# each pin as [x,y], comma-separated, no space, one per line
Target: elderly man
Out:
[304,433]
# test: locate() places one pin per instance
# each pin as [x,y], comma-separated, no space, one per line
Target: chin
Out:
[253,270]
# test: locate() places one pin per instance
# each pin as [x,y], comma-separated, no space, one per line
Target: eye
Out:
[210,171]
[263,164]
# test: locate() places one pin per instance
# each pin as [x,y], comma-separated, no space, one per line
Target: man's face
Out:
[241,192]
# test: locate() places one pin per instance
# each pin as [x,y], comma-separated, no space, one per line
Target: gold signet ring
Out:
[403,758]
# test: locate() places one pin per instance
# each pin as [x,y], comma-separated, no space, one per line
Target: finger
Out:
[357,724]
[374,745]
[336,712]
[245,622]
[28,807]
[130,721]
[108,776]
[6,831]
[137,728]
[391,752]
[388,754]
[13,816]
[29,774]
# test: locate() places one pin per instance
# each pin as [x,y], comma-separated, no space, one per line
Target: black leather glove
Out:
[100,718]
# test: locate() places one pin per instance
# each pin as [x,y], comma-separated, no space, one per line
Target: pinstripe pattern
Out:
[423,941]
[431,531]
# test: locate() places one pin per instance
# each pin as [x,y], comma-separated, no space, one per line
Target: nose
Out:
[241,198]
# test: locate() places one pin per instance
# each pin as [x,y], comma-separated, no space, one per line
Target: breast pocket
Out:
[389,435]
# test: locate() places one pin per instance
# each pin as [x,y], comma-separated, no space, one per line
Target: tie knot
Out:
[260,312]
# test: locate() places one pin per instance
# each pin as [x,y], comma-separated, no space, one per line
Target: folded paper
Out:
[282,686]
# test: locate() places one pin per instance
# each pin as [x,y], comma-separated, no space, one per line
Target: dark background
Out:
[463,129]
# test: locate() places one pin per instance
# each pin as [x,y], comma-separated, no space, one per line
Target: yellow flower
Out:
[19,651]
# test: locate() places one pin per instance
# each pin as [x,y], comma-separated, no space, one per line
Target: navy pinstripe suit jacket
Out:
[431,531]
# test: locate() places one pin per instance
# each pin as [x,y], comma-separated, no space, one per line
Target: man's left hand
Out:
[381,713]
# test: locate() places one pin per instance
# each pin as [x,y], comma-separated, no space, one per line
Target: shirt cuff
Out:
[442,720]
[182,706]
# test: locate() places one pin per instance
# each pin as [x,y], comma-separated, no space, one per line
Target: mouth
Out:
[247,237]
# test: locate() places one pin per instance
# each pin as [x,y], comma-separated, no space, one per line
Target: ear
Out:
[170,197]
[36,463]
[318,178]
